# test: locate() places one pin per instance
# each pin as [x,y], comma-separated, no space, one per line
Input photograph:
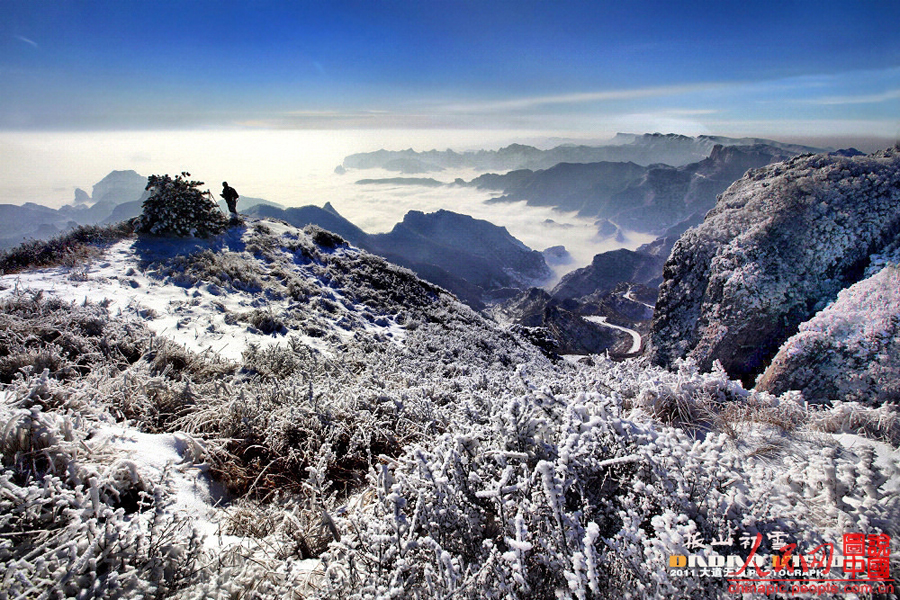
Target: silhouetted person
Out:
[231,196]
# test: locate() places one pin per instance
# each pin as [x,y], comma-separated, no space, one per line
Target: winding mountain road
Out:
[635,336]
[629,295]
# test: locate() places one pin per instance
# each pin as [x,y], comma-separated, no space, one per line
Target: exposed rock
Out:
[849,351]
[557,256]
[81,197]
[119,187]
[607,271]
[778,247]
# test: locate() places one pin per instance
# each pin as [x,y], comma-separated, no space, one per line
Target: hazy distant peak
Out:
[642,149]
[517,148]
[119,187]
[81,196]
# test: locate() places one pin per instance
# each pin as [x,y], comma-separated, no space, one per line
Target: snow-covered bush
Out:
[547,495]
[66,338]
[177,208]
[75,522]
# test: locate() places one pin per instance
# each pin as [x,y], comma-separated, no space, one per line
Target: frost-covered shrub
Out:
[38,333]
[881,423]
[450,459]
[548,496]
[73,527]
[176,207]
[69,249]
[324,238]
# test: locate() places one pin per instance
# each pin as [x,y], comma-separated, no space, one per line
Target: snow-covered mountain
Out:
[779,247]
[272,412]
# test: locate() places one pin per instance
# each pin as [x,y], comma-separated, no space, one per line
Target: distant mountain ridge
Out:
[472,258]
[644,149]
[647,199]
[117,197]
[118,189]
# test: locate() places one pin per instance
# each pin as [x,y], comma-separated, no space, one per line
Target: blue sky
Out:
[796,68]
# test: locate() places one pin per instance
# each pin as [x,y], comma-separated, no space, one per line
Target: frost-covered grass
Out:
[77,522]
[69,249]
[415,449]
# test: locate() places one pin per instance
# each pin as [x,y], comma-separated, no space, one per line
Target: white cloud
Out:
[578,98]
[27,41]
[863,99]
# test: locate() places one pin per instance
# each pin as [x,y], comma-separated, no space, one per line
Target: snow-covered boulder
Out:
[780,244]
[848,351]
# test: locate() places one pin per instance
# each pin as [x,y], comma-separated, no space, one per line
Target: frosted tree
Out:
[177,207]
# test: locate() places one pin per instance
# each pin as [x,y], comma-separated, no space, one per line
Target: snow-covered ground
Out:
[194,316]
[444,456]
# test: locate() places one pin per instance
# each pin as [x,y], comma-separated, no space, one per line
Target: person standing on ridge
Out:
[231,196]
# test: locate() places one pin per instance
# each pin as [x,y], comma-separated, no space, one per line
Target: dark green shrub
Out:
[177,208]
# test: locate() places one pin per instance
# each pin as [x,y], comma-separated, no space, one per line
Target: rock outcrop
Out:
[849,351]
[780,244]
[118,187]
[607,271]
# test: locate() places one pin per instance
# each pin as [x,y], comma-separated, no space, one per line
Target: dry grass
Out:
[882,423]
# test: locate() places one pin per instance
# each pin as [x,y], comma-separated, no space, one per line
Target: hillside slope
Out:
[472,258]
[273,412]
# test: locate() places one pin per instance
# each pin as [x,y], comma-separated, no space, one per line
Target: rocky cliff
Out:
[778,247]
[850,351]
